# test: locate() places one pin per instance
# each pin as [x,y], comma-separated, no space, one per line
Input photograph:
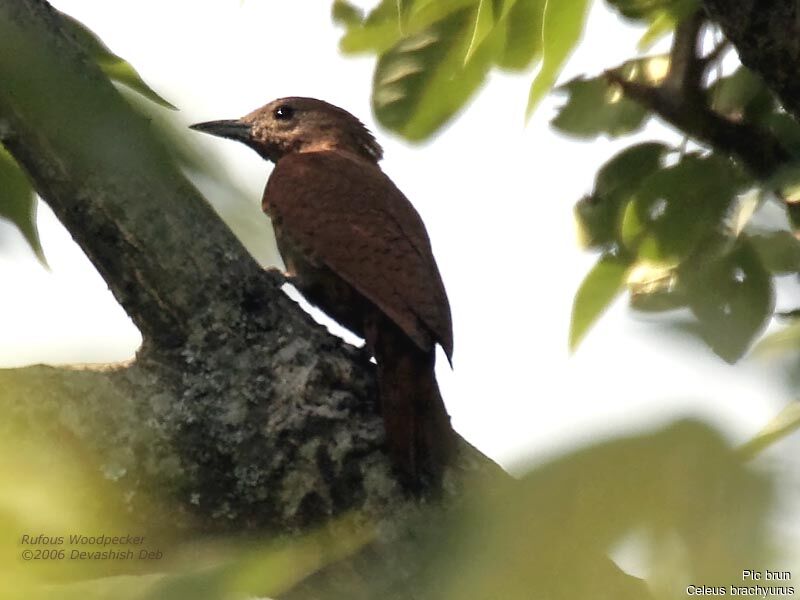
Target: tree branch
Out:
[182,465]
[681,101]
[766,34]
[685,69]
[157,243]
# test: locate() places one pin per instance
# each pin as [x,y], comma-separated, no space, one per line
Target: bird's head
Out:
[296,124]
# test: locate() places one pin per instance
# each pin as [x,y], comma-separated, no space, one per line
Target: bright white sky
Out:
[497,199]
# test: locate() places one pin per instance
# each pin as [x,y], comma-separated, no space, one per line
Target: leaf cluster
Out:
[680,230]
[433,56]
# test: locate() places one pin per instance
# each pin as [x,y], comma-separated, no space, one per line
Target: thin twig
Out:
[685,66]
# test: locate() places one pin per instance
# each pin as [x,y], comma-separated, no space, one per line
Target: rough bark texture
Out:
[239,409]
[766,34]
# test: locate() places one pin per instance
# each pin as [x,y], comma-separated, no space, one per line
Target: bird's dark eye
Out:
[283,113]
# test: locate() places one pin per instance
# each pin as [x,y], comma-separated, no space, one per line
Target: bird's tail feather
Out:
[418,432]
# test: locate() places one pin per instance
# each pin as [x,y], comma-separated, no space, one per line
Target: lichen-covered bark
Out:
[261,437]
[766,34]
[258,435]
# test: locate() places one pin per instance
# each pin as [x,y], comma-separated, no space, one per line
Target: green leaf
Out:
[122,72]
[626,170]
[599,215]
[390,22]
[663,21]
[695,511]
[345,13]
[376,33]
[781,341]
[678,207]
[595,108]
[562,26]
[633,229]
[660,26]
[779,251]
[785,423]
[18,202]
[786,129]
[732,297]
[658,300]
[747,205]
[112,65]
[655,288]
[785,182]
[421,82]
[741,95]
[599,289]
[523,40]
[421,13]
[484,22]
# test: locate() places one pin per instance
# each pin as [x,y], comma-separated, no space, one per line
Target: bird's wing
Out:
[352,218]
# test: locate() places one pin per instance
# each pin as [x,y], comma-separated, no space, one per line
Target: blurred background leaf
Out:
[523,44]
[779,251]
[562,25]
[785,340]
[742,95]
[59,489]
[597,106]
[423,80]
[549,536]
[344,13]
[112,65]
[733,298]
[247,570]
[414,40]
[599,215]
[785,423]
[658,16]
[18,202]
[679,207]
[601,286]
[484,23]
[433,56]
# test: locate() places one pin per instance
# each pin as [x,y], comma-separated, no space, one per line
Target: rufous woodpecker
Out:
[355,247]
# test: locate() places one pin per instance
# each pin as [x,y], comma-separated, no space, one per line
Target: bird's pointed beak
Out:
[231,129]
